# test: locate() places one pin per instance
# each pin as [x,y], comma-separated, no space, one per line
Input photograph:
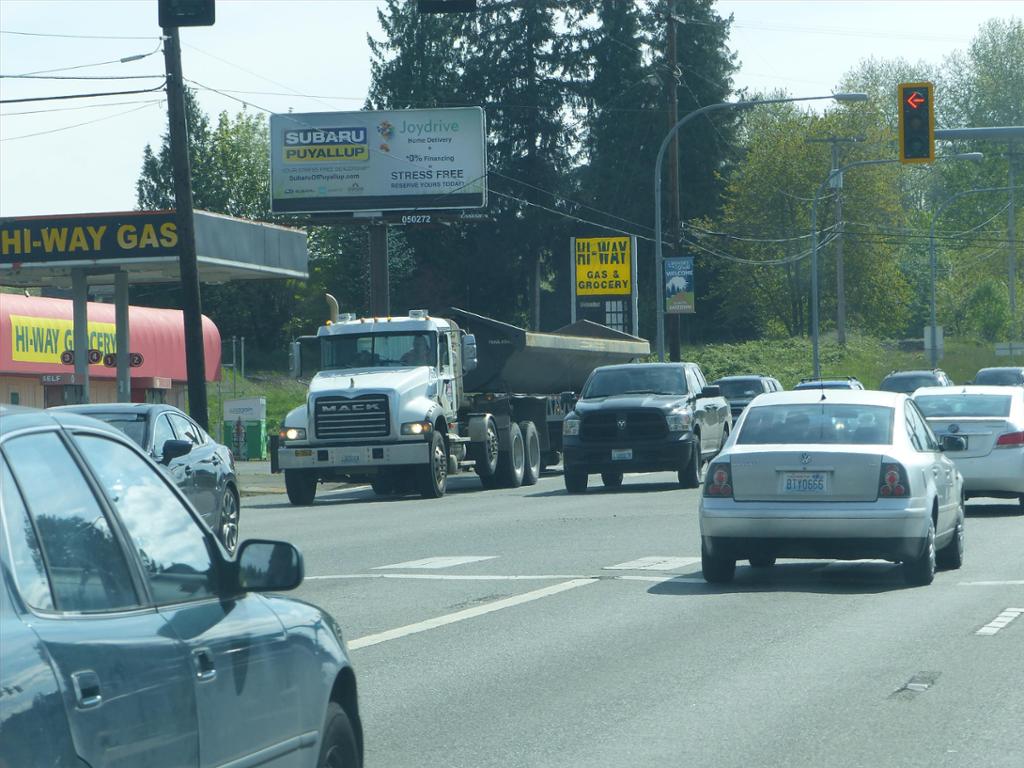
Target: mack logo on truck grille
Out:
[356,418]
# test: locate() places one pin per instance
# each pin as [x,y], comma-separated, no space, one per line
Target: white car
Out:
[991,421]
[844,474]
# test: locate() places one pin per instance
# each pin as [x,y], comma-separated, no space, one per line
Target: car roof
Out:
[922,372]
[841,396]
[968,389]
[629,366]
[737,376]
[14,418]
[144,408]
[1017,368]
[818,383]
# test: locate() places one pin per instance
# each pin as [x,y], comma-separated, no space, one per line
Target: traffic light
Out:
[917,122]
[186,13]
[445,6]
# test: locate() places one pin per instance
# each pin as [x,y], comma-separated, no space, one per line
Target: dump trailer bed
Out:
[514,360]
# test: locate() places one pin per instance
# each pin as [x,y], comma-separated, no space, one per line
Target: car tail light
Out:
[1010,440]
[892,481]
[718,481]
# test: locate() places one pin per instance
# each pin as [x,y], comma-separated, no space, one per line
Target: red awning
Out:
[35,331]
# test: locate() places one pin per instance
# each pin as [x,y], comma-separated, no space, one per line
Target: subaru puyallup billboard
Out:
[343,162]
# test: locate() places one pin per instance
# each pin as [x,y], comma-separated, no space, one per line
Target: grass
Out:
[789,360]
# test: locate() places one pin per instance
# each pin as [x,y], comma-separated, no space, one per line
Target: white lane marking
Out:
[1012,583]
[1000,621]
[436,563]
[656,563]
[447,576]
[664,579]
[468,613]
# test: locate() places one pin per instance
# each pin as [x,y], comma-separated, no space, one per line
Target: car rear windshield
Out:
[1000,378]
[817,423]
[741,389]
[964,406]
[907,384]
[133,426]
[654,379]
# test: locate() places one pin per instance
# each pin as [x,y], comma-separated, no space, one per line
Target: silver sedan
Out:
[991,422]
[842,474]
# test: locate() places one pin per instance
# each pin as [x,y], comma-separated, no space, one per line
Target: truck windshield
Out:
[378,350]
[655,380]
[740,389]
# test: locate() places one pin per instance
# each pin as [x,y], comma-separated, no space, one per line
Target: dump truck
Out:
[405,402]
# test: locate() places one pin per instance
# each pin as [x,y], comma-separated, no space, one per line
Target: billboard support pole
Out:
[380,296]
[635,313]
[191,300]
[124,381]
[572,278]
[80,315]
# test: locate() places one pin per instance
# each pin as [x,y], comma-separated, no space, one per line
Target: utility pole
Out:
[837,184]
[1011,234]
[673,118]
[191,301]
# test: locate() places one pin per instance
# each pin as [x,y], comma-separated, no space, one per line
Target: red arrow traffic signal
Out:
[916,130]
[915,100]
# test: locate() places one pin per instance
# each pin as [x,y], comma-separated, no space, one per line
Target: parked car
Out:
[739,390]
[131,638]
[991,422]
[1003,376]
[846,382]
[909,381]
[643,418]
[846,475]
[202,468]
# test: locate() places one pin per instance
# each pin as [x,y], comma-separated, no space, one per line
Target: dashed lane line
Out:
[1010,583]
[468,613]
[655,563]
[435,563]
[1000,621]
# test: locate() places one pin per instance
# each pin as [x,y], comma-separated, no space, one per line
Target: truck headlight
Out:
[416,427]
[292,433]
[679,421]
[570,426]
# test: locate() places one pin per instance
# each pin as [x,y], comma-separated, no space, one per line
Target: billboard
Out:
[604,284]
[343,162]
[678,286]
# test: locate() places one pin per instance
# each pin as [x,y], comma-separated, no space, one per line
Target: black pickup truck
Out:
[644,418]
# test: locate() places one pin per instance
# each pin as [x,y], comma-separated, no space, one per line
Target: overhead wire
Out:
[79,125]
[80,37]
[73,109]
[84,95]
[122,60]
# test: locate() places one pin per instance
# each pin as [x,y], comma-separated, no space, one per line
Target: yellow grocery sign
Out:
[42,339]
[603,266]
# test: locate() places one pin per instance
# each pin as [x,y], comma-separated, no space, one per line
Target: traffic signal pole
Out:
[191,300]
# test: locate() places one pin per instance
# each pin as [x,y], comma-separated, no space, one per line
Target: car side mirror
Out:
[950,443]
[173,449]
[711,390]
[269,566]
[468,353]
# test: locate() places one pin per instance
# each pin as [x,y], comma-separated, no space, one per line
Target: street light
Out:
[934,262]
[838,172]
[658,258]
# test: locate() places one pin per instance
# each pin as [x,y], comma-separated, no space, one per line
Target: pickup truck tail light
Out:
[1010,440]
[892,481]
[718,481]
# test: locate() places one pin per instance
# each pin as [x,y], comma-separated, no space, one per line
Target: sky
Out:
[312,56]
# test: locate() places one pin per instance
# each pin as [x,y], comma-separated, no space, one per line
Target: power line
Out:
[79,125]
[80,37]
[80,77]
[83,95]
[72,109]
[122,60]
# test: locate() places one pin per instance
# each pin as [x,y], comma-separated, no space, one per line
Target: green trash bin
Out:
[244,429]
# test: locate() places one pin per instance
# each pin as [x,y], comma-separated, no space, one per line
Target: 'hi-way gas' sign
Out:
[413,159]
[604,286]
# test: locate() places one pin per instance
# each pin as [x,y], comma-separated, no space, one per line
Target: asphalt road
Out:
[530,628]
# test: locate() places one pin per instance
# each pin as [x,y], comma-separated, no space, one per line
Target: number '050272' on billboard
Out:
[343,162]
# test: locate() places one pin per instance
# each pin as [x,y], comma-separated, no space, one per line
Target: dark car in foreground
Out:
[740,389]
[844,382]
[909,382]
[1001,376]
[643,418]
[131,638]
[202,468]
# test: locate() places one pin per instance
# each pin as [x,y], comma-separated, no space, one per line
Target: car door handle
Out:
[87,688]
[205,668]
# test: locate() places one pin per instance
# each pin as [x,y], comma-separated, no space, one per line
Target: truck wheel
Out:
[433,476]
[550,459]
[512,462]
[384,483]
[301,486]
[531,445]
[689,475]
[485,455]
[575,482]
[611,479]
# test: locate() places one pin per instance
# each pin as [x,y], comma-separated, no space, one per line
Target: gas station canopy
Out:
[44,250]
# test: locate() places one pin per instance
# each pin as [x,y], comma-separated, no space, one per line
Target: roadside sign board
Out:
[1010,349]
[679,295]
[341,162]
[604,281]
